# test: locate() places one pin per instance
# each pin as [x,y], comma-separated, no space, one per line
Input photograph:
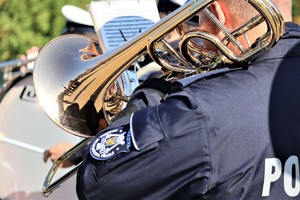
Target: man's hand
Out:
[56,151]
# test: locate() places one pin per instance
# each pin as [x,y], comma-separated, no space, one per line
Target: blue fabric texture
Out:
[208,139]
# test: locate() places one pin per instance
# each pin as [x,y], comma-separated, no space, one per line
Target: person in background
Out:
[204,138]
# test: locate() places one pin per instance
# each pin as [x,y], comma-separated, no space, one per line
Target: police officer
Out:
[205,139]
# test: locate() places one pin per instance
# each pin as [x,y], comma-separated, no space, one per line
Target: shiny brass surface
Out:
[74,83]
[72,79]
[48,186]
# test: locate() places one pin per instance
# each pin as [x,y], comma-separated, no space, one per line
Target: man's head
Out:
[234,13]
[240,8]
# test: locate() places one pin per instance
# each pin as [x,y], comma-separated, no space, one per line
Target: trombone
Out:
[77,83]
[49,187]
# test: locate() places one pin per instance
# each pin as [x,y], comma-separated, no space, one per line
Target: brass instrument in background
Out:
[13,68]
[73,83]
[13,63]
[17,63]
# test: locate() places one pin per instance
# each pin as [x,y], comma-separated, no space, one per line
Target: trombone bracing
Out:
[48,187]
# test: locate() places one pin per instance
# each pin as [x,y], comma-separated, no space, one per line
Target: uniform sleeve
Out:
[168,154]
[174,116]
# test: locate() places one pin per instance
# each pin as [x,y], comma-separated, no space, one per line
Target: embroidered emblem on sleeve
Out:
[111,143]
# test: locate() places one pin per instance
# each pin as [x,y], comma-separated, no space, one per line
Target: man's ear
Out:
[217,9]
[220,12]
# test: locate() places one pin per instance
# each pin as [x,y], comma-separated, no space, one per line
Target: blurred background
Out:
[28,23]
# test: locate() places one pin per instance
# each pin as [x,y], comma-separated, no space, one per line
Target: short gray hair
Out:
[242,9]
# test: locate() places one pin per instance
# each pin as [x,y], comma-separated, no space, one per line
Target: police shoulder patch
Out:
[111,143]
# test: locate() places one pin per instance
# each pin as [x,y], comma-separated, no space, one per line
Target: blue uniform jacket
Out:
[227,137]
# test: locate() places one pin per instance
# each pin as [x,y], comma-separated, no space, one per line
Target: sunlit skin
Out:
[222,12]
[207,25]
[56,151]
